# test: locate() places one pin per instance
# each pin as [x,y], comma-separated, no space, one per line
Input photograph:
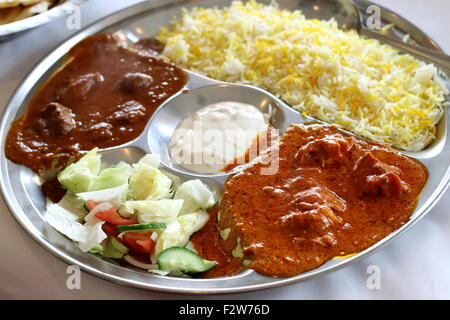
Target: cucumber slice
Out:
[182,259]
[141,226]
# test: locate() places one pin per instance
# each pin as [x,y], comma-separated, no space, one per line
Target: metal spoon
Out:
[348,17]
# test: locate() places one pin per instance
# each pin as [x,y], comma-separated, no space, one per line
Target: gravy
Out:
[333,195]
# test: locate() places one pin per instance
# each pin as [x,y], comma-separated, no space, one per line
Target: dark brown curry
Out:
[102,97]
[333,195]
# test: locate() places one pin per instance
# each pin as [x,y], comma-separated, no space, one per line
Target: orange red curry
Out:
[333,195]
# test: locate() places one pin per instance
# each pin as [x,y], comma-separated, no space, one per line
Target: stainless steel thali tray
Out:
[21,191]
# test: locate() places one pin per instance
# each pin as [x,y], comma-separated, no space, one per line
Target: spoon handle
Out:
[440,60]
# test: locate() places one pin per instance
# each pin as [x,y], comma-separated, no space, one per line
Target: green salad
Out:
[133,212]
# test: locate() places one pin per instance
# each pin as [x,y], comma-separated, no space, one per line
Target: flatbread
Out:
[15,3]
[8,15]
[40,7]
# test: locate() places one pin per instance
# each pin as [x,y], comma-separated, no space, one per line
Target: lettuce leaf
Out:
[110,178]
[115,195]
[78,176]
[193,222]
[97,249]
[72,203]
[196,195]
[93,236]
[148,211]
[88,235]
[148,183]
[64,221]
[152,160]
[178,232]
[114,249]
[85,175]
[176,181]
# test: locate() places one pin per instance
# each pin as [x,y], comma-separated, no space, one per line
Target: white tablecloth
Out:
[416,265]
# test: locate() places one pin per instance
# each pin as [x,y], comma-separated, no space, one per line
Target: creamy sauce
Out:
[215,135]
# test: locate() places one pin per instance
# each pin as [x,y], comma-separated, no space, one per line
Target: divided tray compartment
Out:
[21,190]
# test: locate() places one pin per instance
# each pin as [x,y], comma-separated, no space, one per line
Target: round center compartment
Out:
[167,118]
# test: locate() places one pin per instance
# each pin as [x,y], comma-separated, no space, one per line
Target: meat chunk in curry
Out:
[376,178]
[102,97]
[55,119]
[332,195]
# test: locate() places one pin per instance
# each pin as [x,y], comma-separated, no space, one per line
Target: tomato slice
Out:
[92,204]
[110,229]
[142,257]
[111,215]
[139,241]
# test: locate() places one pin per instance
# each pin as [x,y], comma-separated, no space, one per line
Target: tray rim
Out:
[40,70]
